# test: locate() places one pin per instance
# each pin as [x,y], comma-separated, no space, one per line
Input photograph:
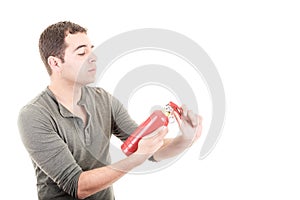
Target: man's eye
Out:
[81,54]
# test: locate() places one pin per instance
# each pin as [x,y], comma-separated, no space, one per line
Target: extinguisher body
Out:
[154,121]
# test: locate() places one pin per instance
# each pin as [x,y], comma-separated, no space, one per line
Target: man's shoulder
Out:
[36,104]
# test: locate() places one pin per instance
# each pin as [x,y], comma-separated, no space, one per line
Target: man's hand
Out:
[149,144]
[190,125]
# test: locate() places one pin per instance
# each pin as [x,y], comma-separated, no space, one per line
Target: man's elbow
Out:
[82,194]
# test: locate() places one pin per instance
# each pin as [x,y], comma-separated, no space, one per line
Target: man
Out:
[66,129]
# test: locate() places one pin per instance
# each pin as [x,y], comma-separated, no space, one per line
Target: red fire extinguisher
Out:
[157,119]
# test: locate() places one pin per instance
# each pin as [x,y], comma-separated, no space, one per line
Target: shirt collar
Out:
[83,98]
[62,109]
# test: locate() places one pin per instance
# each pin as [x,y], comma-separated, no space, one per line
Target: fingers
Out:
[160,132]
[189,116]
[159,137]
[152,142]
[177,117]
[184,110]
[192,118]
[199,128]
[183,115]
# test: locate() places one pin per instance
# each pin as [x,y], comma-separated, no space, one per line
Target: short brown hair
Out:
[52,40]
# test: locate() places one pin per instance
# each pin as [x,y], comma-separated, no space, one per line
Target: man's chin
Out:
[89,82]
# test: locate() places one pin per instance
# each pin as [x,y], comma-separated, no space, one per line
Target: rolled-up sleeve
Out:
[47,150]
[123,124]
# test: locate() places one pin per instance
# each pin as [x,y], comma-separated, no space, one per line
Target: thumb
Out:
[154,133]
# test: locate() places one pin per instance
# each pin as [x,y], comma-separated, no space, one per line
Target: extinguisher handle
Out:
[176,108]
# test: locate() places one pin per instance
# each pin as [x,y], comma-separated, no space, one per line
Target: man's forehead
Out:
[75,40]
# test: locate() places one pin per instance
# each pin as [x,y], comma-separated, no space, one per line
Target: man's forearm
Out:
[95,180]
[172,147]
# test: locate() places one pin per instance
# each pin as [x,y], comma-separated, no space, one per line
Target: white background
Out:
[255,46]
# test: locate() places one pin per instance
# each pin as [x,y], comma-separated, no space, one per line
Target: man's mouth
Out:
[92,70]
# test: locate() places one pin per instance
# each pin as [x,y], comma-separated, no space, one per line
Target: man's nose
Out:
[92,58]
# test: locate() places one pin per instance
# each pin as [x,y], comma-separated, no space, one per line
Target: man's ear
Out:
[54,63]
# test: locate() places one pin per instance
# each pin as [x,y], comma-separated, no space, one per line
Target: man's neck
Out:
[68,94]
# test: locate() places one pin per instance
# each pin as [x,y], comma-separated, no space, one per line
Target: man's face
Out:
[80,63]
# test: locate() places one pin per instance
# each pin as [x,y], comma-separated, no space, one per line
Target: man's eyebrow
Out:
[84,45]
[80,46]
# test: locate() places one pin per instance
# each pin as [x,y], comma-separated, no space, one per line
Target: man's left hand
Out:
[190,125]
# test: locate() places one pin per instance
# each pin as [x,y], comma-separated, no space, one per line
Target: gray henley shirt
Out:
[61,147]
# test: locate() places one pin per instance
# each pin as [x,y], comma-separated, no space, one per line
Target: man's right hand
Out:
[149,144]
